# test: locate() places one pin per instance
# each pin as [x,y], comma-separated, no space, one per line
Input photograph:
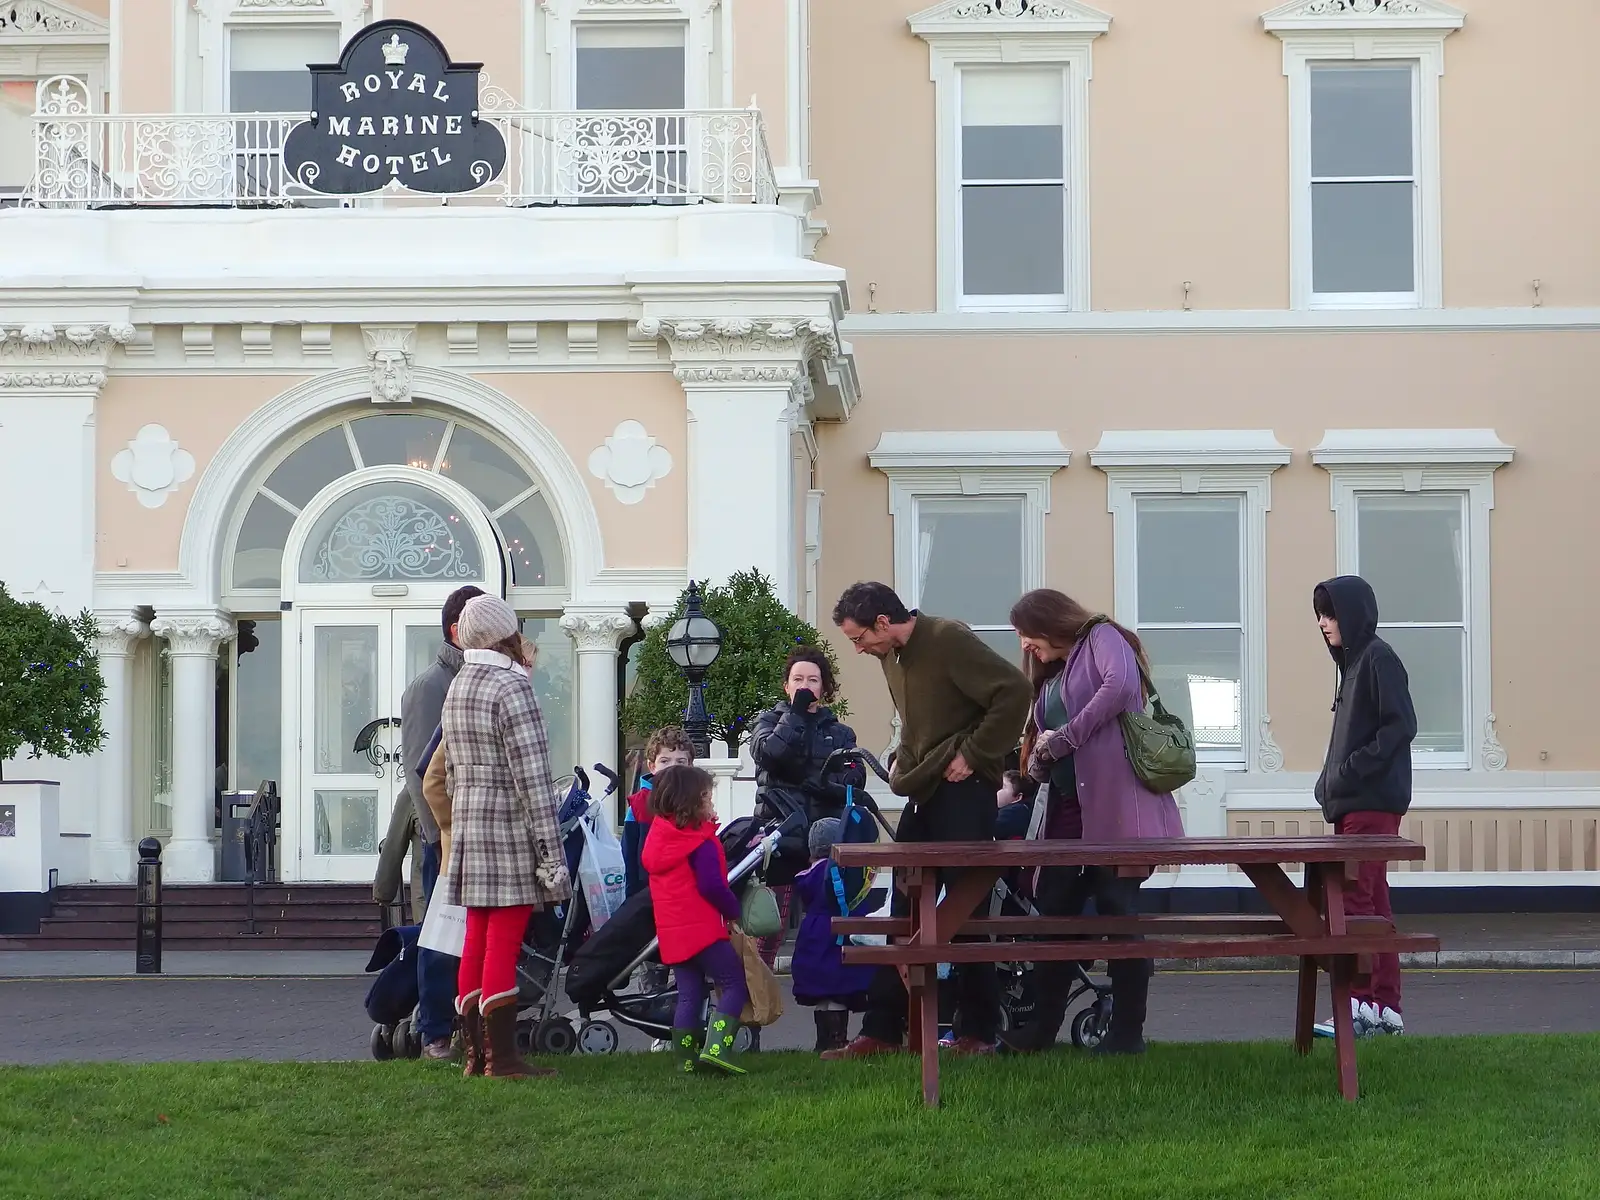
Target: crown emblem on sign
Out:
[395,51]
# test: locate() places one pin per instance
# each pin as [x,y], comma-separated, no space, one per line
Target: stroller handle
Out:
[582,777]
[610,776]
[857,754]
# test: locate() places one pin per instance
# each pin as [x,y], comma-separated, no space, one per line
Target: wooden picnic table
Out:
[1309,923]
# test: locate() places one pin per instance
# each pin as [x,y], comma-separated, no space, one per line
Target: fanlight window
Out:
[391,531]
[369,545]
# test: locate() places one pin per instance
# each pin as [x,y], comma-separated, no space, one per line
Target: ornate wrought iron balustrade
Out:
[85,159]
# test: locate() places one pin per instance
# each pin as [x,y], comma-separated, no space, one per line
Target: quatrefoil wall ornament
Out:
[153,466]
[630,462]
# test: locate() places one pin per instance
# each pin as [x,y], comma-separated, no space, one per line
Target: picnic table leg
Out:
[910,975]
[1344,1033]
[925,1029]
[1306,1008]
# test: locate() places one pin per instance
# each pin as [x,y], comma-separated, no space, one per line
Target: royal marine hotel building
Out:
[1180,307]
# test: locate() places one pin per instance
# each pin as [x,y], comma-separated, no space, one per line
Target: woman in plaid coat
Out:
[505,847]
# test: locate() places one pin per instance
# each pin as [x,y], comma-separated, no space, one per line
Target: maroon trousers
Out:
[1368,896]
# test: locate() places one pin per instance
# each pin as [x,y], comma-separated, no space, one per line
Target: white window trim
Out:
[698,18]
[83,51]
[217,19]
[1330,31]
[1237,462]
[977,33]
[1366,461]
[1003,463]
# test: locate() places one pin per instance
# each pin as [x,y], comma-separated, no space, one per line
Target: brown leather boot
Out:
[501,1060]
[471,1033]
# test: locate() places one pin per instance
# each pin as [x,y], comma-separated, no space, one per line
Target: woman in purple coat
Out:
[1086,672]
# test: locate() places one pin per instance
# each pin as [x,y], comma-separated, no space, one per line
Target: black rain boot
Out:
[1052,982]
[1130,995]
[833,1029]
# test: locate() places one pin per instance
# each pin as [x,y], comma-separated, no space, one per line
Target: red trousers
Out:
[1368,896]
[489,957]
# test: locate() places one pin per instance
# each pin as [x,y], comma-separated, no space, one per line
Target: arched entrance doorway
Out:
[339,557]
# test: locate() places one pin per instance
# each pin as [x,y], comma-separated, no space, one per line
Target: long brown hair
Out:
[1057,618]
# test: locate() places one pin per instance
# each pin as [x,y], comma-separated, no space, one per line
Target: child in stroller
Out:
[601,979]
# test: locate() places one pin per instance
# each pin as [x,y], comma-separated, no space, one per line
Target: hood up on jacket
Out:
[667,846]
[1355,607]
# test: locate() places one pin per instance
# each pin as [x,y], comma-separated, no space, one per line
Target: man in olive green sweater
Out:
[962,707]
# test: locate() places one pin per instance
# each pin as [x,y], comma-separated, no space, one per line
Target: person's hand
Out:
[804,700]
[1038,766]
[958,771]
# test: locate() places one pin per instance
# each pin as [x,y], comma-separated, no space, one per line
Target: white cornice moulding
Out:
[969,449]
[1411,447]
[1231,321]
[1189,448]
[1361,16]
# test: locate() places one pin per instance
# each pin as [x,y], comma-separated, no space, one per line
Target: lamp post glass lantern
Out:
[693,643]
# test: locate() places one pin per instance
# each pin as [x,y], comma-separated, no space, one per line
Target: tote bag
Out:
[1158,744]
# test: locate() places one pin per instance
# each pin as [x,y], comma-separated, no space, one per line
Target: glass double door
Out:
[354,667]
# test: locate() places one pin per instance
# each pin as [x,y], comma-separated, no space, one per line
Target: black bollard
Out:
[147,943]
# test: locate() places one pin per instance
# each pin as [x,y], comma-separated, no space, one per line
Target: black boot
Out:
[1052,983]
[833,1028]
[1130,995]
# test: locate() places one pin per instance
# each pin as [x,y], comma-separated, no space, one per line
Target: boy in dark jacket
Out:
[1365,785]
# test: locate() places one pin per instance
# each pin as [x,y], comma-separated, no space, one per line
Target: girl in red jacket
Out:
[693,905]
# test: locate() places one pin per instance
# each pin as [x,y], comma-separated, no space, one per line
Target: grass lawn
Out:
[1460,1117]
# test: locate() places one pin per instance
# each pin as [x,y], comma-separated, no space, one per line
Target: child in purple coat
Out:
[821,979]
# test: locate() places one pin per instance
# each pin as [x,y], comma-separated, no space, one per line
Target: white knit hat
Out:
[485,621]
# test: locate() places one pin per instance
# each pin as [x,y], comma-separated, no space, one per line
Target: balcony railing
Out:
[84,159]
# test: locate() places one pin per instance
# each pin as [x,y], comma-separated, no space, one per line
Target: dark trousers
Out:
[956,812]
[1368,896]
[1066,892]
[436,973]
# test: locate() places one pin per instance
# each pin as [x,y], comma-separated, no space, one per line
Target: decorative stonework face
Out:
[153,466]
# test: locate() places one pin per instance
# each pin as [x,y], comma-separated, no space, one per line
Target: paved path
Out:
[308,1019]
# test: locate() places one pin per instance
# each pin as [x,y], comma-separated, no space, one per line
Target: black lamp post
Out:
[694,641]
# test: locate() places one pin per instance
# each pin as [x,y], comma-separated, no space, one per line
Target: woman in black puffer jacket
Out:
[791,742]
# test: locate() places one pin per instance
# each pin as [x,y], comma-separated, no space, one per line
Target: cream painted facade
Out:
[1179,308]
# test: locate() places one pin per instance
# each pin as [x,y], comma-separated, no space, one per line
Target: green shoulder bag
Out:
[1158,744]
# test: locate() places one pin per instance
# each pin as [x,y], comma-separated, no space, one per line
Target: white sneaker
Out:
[659,1045]
[1389,1021]
[1362,1016]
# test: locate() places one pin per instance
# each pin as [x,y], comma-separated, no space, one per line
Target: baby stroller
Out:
[553,935]
[604,967]
[392,999]
[1017,993]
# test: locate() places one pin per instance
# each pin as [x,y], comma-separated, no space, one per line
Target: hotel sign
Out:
[394,111]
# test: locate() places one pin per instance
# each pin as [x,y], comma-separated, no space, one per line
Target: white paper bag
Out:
[444,928]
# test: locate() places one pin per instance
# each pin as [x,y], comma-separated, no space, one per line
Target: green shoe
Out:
[686,1045]
[719,1052]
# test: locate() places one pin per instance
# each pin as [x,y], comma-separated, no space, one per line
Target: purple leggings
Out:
[721,962]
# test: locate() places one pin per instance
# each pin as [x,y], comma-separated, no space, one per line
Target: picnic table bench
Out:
[1309,923]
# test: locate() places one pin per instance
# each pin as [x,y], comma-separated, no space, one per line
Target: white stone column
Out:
[747,388]
[193,639]
[741,481]
[50,381]
[112,859]
[595,634]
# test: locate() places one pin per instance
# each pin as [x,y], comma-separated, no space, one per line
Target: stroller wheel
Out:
[379,1044]
[524,1038]
[747,1040]
[597,1037]
[402,1040]
[555,1036]
[1089,1025]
